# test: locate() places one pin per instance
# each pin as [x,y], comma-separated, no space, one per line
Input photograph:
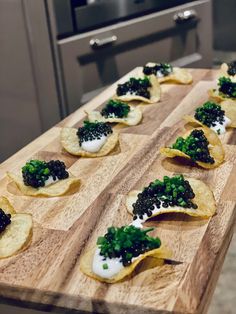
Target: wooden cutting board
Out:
[47,274]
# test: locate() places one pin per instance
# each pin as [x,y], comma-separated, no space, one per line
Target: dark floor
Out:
[224,298]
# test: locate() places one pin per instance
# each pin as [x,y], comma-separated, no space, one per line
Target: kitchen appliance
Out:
[79,16]
[99,41]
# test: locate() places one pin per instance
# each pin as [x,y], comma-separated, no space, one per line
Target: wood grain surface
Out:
[47,274]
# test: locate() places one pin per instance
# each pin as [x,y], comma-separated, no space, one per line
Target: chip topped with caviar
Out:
[41,178]
[229,69]
[142,88]
[119,251]
[171,195]
[116,111]
[93,139]
[15,229]
[165,72]
[158,69]
[201,145]
[226,90]
[211,115]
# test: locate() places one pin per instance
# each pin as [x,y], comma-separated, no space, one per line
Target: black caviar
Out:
[5,220]
[126,243]
[92,131]
[195,146]
[57,169]
[227,87]
[36,172]
[115,108]
[159,69]
[135,86]
[232,68]
[175,191]
[210,114]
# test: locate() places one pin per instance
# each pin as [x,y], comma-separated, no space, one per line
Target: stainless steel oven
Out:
[99,41]
[79,16]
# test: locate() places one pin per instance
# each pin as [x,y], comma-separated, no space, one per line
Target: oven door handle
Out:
[97,43]
[185,16]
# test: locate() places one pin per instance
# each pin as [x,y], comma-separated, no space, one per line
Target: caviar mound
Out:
[70,143]
[35,172]
[226,89]
[58,188]
[133,117]
[91,131]
[229,106]
[115,108]
[178,75]
[202,193]
[158,69]
[87,260]
[208,115]
[154,90]
[17,235]
[215,149]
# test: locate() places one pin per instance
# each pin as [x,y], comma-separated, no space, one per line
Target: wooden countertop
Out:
[47,274]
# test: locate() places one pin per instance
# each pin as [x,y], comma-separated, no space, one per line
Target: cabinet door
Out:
[93,60]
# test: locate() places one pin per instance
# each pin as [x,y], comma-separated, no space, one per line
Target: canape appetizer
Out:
[145,89]
[165,72]
[119,251]
[172,195]
[118,112]
[213,116]
[201,145]
[93,139]
[226,90]
[40,178]
[15,229]
[229,69]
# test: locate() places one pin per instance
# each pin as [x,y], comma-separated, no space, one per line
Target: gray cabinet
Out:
[154,37]
[28,97]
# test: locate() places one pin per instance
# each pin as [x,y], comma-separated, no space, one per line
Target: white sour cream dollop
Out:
[220,128]
[112,265]
[94,145]
[50,181]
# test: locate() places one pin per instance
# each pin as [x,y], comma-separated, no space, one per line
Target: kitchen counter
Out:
[47,276]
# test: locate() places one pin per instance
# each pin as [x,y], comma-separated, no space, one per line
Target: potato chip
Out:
[58,188]
[229,106]
[214,95]
[179,75]
[192,120]
[230,112]
[6,206]
[202,193]
[155,93]
[70,143]
[215,148]
[87,260]
[133,117]
[17,235]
